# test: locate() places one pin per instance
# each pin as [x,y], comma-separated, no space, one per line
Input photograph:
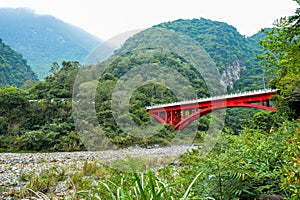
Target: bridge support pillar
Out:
[268,103]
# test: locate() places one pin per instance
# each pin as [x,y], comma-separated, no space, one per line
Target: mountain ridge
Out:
[233,53]
[44,39]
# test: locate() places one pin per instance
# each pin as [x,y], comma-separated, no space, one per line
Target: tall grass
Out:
[141,186]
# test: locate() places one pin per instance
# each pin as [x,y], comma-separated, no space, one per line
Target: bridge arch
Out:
[189,119]
[175,113]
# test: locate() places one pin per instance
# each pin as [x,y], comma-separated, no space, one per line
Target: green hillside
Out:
[172,61]
[162,53]
[44,39]
[233,53]
[14,69]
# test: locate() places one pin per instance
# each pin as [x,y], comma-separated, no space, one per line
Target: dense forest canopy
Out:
[141,52]
[233,53]
[14,69]
[40,117]
[282,57]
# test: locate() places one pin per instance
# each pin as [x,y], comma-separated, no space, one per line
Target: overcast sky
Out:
[108,18]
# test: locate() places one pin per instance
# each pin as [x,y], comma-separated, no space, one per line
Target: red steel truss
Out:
[181,114]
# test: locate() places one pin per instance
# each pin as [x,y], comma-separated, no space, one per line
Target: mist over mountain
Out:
[44,39]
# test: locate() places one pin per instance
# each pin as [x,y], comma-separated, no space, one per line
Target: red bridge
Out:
[181,114]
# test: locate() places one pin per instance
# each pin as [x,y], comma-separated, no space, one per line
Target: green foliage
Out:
[95,181]
[246,166]
[50,100]
[237,118]
[226,47]
[141,186]
[149,93]
[52,96]
[252,165]
[53,137]
[39,119]
[281,56]
[12,110]
[266,121]
[290,176]
[13,67]
[260,161]
[46,181]
[59,84]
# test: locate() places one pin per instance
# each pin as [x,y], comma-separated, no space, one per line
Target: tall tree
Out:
[282,57]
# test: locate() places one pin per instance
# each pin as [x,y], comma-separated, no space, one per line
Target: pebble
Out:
[14,165]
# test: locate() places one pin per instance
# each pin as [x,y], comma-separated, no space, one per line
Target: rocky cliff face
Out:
[232,73]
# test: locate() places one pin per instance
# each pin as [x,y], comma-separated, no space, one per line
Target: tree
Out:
[59,84]
[54,67]
[282,57]
[13,108]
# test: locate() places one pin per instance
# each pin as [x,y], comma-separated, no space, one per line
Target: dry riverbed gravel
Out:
[14,165]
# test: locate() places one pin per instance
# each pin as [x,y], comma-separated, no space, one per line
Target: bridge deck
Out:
[215,98]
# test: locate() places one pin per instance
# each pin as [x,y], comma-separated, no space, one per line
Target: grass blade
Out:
[187,192]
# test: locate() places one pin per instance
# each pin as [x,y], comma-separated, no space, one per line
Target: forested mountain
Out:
[141,58]
[14,69]
[259,160]
[44,39]
[233,53]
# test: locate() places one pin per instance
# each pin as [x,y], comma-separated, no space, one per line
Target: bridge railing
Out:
[225,96]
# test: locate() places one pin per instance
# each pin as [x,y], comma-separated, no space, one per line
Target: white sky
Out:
[107,18]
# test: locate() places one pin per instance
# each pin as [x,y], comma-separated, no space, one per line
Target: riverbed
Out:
[14,165]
